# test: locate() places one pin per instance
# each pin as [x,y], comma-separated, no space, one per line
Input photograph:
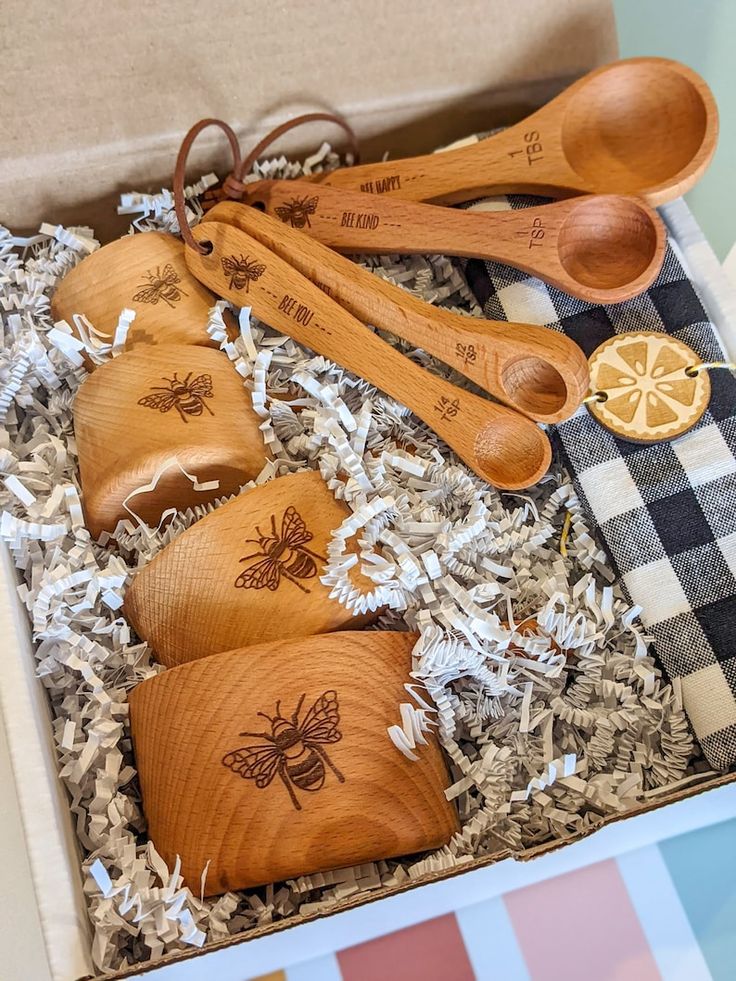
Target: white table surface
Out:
[23,953]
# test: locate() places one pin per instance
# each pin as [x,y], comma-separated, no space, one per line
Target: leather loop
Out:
[180,172]
[233,186]
[309,117]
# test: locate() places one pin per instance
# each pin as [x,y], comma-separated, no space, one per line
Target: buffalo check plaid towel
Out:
[666,512]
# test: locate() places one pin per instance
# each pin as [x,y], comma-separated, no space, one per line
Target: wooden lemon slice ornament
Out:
[145,273]
[646,386]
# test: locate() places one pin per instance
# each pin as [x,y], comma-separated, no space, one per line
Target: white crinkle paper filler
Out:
[530,666]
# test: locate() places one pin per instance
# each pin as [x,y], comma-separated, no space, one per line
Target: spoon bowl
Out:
[510,453]
[535,387]
[610,244]
[641,123]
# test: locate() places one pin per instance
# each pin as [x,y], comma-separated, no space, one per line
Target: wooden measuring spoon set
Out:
[259,756]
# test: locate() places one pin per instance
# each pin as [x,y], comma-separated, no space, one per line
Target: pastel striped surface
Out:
[580,926]
[667,911]
[703,868]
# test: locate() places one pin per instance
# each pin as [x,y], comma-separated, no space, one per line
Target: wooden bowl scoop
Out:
[145,272]
[272,762]
[500,445]
[643,126]
[599,248]
[535,370]
[247,573]
[155,413]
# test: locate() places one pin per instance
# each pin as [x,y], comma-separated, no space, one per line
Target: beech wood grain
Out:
[152,405]
[643,126]
[249,572]
[599,248]
[535,370]
[332,789]
[145,272]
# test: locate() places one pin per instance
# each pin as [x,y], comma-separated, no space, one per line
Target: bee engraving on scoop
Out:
[187,397]
[297,211]
[281,554]
[242,271]
[293,749]
[160,286]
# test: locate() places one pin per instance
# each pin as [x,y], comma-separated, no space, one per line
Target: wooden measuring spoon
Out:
[535,370]
[644,126]
[600,248]
[500,445]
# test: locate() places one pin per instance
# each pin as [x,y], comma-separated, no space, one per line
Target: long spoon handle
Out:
[533,369]
[500,445]
[526,158]
[350,221]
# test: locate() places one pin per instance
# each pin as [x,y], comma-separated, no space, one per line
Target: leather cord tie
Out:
[233,187]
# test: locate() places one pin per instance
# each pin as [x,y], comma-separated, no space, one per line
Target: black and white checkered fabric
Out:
[666,512]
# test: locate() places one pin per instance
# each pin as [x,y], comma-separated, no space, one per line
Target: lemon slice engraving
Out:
[635,356]
[611,378]
[624,407]
[650,396]
[667,362]
[682,391]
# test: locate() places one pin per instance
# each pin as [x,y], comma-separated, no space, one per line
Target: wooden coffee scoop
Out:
[599,248]
[537,371]
[644,126]
[263,764]
[500,445]
[149,415]
[247,573]
[146,273]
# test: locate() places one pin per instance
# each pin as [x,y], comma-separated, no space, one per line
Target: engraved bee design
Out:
[160,286]
[297,211]
[293,749]
[281,554]
[186,396]
[242,271]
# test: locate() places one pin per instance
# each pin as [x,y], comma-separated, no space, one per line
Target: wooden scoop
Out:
[263,764]
[145,273]
[599,248]
[500,445]
[537,371]
[150,414]
[247,573]
[644,126]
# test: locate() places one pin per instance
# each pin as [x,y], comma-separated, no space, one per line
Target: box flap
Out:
[103,93]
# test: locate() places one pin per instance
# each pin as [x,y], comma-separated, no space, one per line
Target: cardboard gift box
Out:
[101,96]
